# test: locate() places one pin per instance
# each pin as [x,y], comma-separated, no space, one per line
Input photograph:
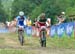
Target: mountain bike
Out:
[21,36]
[43,37]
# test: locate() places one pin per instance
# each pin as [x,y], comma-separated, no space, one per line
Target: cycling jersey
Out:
[20,20]
[42,22]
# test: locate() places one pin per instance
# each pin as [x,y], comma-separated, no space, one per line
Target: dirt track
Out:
[40,50]
[9,42]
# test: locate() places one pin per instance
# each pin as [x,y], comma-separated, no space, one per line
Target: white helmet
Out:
[21,13]
[62,12]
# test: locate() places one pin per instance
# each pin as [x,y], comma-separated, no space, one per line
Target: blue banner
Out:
[53,31]
[29,31]
[60,29]
[4,30]
[69,28]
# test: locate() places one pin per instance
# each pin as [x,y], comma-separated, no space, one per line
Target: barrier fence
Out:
[65,28]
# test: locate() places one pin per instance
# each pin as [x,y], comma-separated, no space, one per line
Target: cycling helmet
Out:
[42,15]
[62,12]
[21,13]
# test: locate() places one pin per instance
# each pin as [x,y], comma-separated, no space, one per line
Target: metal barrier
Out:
[4,30]
[64,28]
[59,30]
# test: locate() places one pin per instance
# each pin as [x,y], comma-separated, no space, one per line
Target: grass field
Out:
[9,44]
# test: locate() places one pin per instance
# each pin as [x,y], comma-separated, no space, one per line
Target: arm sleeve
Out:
[25,22]
[25,17]
[17,17]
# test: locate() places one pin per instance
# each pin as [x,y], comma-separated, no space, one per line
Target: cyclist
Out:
[21,23]
[21,20]
[42,21]
[42,25]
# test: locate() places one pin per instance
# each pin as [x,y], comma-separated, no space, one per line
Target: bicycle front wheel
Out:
[21,37]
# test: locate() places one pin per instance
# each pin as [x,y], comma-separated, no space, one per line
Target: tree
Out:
[21,5]
[35,7]
[25,5]
[36,2]
[52,8]
[2,13]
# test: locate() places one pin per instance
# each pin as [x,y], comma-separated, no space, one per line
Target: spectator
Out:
[34,27]
[61,18]
[48,23]
[12,26]
[7,23]
[29,22]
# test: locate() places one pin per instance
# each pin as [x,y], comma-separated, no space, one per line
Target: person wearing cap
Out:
[61,18]
[48,23]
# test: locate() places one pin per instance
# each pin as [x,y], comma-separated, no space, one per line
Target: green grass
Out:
[63,42]
[13,51]
[30,41]
[9,44]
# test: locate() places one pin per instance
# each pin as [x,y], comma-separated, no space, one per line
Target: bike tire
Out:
[21,37]
[43,39]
